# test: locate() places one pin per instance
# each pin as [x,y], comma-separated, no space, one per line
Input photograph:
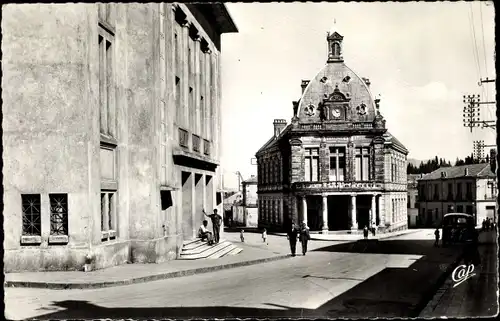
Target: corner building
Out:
[111,130]
[335,166]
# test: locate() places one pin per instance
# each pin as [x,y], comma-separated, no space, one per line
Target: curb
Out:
[149,278]
[382,237]
[429,294]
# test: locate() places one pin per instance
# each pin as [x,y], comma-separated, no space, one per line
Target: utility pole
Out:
[478,149]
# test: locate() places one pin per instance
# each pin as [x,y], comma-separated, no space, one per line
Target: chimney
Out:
[367,81]
[304,84]
[279,125]
[466,171]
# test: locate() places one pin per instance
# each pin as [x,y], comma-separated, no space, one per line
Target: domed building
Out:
[335,166]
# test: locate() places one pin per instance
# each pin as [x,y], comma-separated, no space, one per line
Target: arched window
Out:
[336,49]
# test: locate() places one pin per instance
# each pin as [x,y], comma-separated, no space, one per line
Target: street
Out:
[339,280]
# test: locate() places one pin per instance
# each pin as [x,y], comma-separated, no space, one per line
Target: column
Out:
[353,213]
[373,210]
[304,209]
[382,210]
[325,214]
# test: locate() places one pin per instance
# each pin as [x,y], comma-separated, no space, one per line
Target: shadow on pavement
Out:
[394,292]
[418,247]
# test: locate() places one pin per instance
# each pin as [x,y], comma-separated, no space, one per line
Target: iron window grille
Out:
[31,214]
[58,214]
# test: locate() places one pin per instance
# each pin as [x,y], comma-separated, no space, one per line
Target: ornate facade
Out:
[335,166]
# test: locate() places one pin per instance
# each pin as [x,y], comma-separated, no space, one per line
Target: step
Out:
[222,252]
[199,247]
[192,246]
[204,254]
[204,248]
[187,242]
[235,251]
[209,249]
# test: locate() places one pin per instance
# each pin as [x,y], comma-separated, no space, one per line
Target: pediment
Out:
[337,96]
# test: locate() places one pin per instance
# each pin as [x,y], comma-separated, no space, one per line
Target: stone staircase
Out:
[197,249]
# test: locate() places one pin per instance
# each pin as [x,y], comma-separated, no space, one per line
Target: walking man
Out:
[216,222]
[365,232]
[292,238]
[436,234]
[304,237]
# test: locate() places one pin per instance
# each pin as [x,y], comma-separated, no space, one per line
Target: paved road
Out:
[475,297]
[333,281]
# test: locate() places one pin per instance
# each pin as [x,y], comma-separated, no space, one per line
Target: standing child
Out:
[436,234]
[365,232]
[242,237]
[264,236]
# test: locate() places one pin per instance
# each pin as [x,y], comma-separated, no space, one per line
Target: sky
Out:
[421,57]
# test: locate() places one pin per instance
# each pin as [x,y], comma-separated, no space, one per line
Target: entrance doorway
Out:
[338,212]
[314,213]
[363,206]
[187,205]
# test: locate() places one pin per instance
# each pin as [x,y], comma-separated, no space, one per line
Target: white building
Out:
[470,189]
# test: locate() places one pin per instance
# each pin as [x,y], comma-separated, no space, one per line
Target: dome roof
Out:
[333,78]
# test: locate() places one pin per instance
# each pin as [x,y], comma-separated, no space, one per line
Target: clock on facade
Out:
[336,113]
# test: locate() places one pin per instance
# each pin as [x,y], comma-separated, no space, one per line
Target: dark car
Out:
[458,228]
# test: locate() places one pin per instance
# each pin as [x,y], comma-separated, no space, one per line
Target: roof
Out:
[458,214]
[474,170]
[273,141]
[392,139]
[252,179]
[219,14]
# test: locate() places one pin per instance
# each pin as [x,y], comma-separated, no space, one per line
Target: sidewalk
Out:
[137,273]
[476,296]
[359,236]
[333,236]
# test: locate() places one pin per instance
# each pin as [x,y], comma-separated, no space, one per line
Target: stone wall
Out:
[51,107]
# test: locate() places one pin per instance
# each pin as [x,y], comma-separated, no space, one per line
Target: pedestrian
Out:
[483,225]
[365,232]
[304,237]
[488,224]
[436,234]
[292,238]
[216,222]
[203,233]
[264,236]
[242,236]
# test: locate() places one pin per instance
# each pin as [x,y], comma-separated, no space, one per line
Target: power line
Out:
[485,90]
[474,42]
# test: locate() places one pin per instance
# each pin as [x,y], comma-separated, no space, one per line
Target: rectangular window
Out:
[460,208]
[32,225]
[311,164]
[469,191]
[459,191]
[362,164]
[108,215]
[58,214]
[106,82]
[178,105]
[393,211]
[337,164]
[469,209]
[177,53]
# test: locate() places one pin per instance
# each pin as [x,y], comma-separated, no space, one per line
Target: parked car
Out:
[458,228]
